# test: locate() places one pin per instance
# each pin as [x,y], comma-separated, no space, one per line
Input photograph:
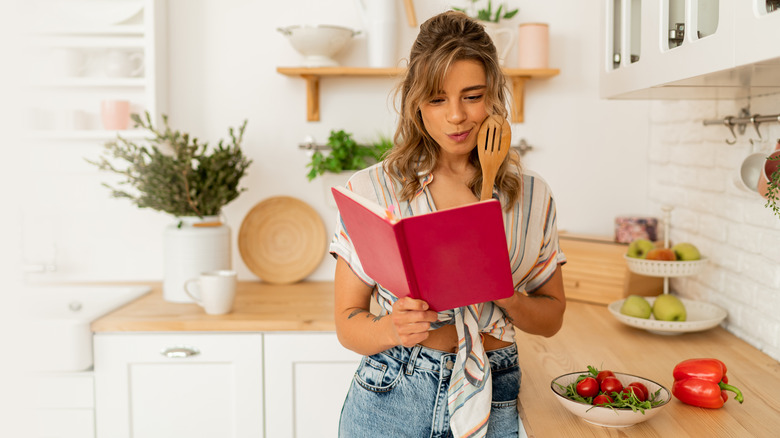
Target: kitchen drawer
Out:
[596,271]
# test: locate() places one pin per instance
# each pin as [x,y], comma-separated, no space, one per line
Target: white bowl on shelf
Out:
[607,416]
[318,43]
[700,316]
[661,268]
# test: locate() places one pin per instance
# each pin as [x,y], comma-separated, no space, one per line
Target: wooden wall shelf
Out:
[312,77]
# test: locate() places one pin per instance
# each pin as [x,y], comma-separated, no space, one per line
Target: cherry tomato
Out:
[588,387]
[642,387]
[610,385]
[602,399]
[640,395]
[604,373]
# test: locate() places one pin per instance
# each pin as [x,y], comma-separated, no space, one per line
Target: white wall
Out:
[223,56]
[693,170]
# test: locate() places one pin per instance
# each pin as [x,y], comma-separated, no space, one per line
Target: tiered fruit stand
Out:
[700,315]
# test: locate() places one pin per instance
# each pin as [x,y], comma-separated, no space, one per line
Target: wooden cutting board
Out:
[282,240]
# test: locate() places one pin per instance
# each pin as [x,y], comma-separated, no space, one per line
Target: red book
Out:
[449,258]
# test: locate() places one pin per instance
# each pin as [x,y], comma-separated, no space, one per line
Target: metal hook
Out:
[727,122]
[755,125]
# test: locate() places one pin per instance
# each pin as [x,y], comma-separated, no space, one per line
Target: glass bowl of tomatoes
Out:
[610,399]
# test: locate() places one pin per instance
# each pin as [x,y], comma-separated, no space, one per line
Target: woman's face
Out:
[455,113]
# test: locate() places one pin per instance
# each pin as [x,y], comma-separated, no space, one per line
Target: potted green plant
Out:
[173,173]
[345,154]
[487,14]
[769,181]
[503,37]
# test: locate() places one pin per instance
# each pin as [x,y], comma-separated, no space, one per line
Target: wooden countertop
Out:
[258,307]
[590,336]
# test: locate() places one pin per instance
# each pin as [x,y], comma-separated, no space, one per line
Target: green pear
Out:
[669,308]
[639,248]
[686,251]
[636,306]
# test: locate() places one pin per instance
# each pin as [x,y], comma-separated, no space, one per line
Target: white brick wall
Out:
[693,169]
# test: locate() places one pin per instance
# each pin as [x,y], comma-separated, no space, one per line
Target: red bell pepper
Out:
[703,382]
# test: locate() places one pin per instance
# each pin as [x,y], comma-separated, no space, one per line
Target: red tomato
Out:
[642,387]
[602,399]
[588,387]
[640,395]
[604,373]
[610,385]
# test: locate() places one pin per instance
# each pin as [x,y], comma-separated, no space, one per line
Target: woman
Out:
[422,373]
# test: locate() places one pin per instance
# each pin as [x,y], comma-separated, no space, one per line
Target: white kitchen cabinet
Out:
[64,405]
[719,36]
[758,31]
[307,376]
[179,385]
[83,53]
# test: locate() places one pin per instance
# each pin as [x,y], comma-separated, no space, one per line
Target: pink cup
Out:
[771,165]
[115,114]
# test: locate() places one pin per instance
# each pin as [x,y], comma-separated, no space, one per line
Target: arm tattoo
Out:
[357,312]
[506,314]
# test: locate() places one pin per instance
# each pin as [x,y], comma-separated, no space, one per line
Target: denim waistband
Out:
[433,360]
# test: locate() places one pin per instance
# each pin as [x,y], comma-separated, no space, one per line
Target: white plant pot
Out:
[198,245]
[503,38]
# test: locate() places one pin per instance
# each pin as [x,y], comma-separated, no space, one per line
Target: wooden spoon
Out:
[493,141]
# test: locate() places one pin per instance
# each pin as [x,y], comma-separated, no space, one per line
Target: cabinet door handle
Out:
[179,352]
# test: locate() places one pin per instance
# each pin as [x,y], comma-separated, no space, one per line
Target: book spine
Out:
[406,259]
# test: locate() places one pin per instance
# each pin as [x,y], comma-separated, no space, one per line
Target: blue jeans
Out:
[402,392]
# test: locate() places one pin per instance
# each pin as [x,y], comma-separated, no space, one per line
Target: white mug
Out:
[121,64]
[217,289]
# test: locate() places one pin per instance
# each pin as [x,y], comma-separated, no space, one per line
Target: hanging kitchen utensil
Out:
[493,141]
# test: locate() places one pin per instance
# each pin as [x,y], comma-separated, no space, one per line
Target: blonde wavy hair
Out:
[443,40]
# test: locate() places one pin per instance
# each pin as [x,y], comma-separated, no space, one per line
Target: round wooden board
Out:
[282,240]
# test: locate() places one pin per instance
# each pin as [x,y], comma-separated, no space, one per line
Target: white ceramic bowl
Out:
[700,316]
[607,416]
[662,268]
[318,44]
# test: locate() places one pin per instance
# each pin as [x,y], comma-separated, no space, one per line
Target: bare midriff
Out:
[446,339]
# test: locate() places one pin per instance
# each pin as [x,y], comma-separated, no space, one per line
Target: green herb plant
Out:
[346,154]
[487,14]
[174,173]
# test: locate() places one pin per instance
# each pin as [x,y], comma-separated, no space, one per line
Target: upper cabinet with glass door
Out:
[685,49]
[91,63]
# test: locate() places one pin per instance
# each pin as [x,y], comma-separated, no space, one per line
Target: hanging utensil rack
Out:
[741,122]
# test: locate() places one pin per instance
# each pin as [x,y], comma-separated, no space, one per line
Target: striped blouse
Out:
[532,239]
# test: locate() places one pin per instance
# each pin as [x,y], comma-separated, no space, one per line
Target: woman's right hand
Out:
[411,321]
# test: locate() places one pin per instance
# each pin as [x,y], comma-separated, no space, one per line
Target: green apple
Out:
[639,248]
[636,306]
[686,251]
[669,308]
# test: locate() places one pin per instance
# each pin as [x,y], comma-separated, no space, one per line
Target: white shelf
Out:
[99,135]
[69,31]
[90,82]
[124,42]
